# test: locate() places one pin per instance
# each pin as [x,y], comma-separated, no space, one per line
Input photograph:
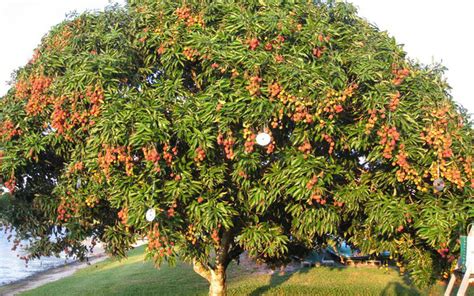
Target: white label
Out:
[263,139]
[150,215]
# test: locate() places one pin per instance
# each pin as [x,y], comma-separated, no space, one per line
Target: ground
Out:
[133,276]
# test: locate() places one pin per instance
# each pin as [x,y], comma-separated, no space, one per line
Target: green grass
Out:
[133,276]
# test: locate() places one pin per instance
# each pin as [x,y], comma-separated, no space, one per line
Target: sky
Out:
[24,22]
[432,31]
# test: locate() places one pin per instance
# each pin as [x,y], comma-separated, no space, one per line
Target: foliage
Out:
[157,105]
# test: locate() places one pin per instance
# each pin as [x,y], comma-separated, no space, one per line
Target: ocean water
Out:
[13,269]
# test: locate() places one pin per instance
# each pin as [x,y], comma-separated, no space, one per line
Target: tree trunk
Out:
[215,274]
[217,282]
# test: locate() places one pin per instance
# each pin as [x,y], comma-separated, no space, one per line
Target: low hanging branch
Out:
[202,270]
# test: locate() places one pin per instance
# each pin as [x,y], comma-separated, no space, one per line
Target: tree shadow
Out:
[315,259]
[394,288]
[277,279]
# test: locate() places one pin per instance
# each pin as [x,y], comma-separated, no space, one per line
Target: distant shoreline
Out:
[48,275]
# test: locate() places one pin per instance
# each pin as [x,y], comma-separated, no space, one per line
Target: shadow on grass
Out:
[394,288]
[276,280]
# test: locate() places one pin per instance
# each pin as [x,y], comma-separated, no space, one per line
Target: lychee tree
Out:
[156,106]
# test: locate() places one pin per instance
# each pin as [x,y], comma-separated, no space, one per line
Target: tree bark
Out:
[202,270]
[217,282]
[218,275]
[215,274]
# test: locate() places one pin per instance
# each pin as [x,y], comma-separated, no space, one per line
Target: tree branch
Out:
[202,270]
[222,252]
[232,254]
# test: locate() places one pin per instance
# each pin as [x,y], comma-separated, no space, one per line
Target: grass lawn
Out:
[132,276]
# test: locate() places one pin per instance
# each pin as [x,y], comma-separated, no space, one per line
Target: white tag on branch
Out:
[150,215]
[263,139]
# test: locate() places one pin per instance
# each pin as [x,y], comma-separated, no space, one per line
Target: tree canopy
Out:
[157,106]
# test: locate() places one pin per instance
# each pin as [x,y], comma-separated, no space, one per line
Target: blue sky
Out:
[431,31]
